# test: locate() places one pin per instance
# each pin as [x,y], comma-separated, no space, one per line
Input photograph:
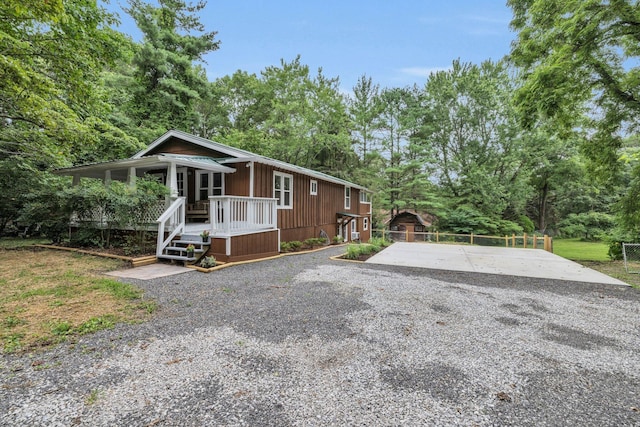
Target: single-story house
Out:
[248,202]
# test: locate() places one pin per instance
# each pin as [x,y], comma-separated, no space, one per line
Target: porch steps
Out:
[177,249]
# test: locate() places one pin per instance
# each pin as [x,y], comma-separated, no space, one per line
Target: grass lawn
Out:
[47,297]
[578,250]
[18,242]
[594,255]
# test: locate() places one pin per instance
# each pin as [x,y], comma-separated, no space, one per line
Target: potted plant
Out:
[205,235]
[191,251]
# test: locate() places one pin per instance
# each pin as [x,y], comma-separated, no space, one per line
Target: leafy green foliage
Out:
[169,81]
[315,241]
[292,246]
[467,220]
[356,250]
[208,262]
[587,225]
[474,132]
[51,55]
[578,55]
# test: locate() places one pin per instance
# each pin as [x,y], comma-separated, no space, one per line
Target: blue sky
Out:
[397,43]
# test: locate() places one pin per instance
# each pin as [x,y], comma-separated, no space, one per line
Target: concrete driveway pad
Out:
[492,260]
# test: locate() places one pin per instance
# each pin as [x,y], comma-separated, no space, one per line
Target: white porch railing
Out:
[234,214]
[172,221]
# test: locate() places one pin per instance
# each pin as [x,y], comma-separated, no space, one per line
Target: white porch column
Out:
[107,177]
[131,177]
[250,165]
[172,180]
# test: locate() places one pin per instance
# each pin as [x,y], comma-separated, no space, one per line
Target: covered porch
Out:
[224,217]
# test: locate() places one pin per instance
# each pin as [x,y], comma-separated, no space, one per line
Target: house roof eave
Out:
[240,155]
[97,170]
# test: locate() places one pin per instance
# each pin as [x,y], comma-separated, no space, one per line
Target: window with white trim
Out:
[347,197]
[283,190]
[313,189]
[208,184]
[364,197]
[354,225]
[365,223]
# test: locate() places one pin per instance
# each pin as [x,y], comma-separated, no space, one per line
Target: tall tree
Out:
[471,125]
[287,114]
[51,56]
[364,110]
[394,103]
[169,78]
[580,56]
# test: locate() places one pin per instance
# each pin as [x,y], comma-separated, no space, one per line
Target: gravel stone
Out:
[303,340]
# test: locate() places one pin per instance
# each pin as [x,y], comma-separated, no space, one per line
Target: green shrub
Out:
[208,262]
[353,251]
[338,239]
[285,247]
[295,245]
[315,241]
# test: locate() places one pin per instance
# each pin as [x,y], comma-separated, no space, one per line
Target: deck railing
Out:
[171,221]
[235,214]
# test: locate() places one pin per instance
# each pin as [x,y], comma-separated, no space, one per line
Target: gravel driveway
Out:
[304,340]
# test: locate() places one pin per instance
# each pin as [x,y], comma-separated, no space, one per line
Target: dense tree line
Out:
[543,140]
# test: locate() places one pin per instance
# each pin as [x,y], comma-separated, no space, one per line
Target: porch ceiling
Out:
[119,168]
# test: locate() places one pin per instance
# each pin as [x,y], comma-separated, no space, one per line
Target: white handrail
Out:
[172,220]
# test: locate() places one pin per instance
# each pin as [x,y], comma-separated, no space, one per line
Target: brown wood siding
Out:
[262,244]
[310,214]
[218,249]
[179,146]
[237,183]
[245,247]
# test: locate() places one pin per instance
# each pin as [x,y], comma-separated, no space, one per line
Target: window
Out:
[365,223]
[181,177]
[283,190]
[314,187]
[208,184]
[366,199]
[354,225]
[347,197]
